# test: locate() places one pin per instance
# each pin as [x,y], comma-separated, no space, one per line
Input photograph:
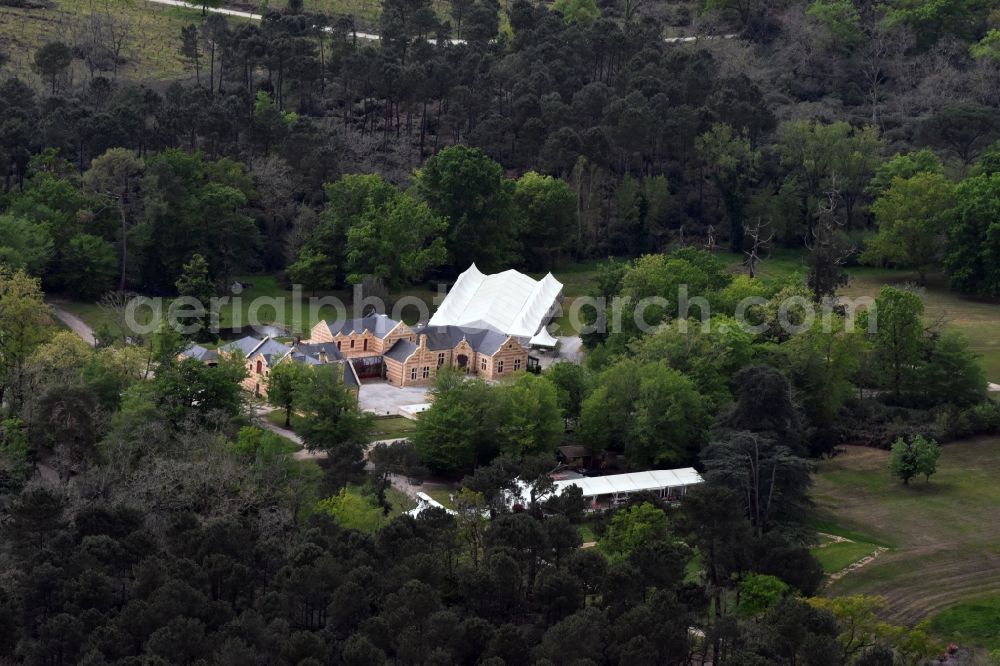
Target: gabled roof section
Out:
[401,350]
[509,302]
[246,345]
[379,325]
[199,353]
[318,349]
[482,340]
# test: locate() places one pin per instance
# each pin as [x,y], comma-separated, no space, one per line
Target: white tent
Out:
[664,482]
[508,302]
[543,339]
[623,484]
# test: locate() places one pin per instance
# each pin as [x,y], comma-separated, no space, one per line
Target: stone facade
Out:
[421,365]
[358,338]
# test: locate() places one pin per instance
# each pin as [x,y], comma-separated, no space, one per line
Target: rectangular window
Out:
[338,345]
[352,343]
[427,372]
[413,373]
[441,359]
[482,364]
[499,366]
[364,345]
[517,364]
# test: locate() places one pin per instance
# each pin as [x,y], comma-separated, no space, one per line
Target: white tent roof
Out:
[593,486]
[616,484]
[543,339]
[509,302]
[424,502]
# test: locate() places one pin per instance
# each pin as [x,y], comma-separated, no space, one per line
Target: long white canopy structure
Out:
[666,483]
[623,484]
[508,302]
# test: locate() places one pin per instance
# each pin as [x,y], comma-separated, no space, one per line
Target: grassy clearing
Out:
[586,531]
[838,556]
[971,624]
[392,427]
[441,495]
[978,320]
[277,417]
[267,302]
[946,540]
[151,48]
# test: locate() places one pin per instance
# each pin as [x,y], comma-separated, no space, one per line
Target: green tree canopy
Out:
[469,190]
[650,412]
[545,210]
[913,216]
[25,245]
[398,242]
[972,256]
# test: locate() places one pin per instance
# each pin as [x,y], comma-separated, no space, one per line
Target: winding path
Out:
[74,324]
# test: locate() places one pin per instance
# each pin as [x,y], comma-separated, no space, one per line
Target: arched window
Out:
[260,367]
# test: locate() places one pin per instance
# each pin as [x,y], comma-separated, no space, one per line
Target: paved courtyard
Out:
[385,399]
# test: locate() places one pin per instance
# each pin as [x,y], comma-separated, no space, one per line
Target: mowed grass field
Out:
[978,320]
[267,302]
[944,535]
[151,48]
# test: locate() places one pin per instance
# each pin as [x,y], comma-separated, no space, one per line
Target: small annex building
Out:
[509,302]
[263,354]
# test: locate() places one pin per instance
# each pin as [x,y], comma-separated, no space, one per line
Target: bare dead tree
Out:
[829,248]
[114,305]
[710,241]
[759,245]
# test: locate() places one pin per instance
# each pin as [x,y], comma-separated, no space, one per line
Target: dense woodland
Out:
[146,519]
[784,129]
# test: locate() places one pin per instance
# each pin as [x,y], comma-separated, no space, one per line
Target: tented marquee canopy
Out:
[623,484]
[508,302]
[616,487]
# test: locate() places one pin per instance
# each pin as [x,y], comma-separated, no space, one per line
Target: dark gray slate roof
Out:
[318,348]
[401,350]
[379,324]
[483,340]
[349,379]
[245,345]
[199,353]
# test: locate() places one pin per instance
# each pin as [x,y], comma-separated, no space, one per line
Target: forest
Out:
[146,515]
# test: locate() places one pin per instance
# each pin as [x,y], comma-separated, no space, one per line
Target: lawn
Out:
[277,417]
[978,320]
[151,48]
[838,556]
[441,495]
[586,531]
[265,301]
[944,534]
[971,624]
[393,427]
